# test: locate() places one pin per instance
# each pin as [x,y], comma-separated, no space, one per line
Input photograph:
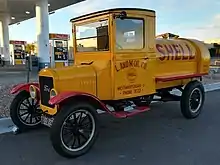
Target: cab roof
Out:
[108,11]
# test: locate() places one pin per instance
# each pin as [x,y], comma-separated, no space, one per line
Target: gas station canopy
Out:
[21,10]
[15,11]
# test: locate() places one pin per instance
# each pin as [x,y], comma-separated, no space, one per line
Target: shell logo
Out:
[132,74]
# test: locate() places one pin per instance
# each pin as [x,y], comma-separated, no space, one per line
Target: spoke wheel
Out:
[192,99]
[77,130]
[195,100]
[25,112]
[29,112]
[74,130]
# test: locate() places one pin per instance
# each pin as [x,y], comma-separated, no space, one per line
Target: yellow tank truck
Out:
[120,65]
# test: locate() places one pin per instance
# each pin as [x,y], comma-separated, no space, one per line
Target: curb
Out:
[6,124]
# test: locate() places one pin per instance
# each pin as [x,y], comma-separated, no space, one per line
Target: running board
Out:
[135,111]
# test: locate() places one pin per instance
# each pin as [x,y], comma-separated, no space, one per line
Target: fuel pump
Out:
[17,52]
[59,49]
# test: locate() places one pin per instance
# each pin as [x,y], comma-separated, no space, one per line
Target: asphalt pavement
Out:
[158,137]
[16,76]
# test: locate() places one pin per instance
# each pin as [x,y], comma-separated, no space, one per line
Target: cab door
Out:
[132,72]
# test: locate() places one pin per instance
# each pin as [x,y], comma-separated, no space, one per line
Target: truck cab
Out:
[115,47]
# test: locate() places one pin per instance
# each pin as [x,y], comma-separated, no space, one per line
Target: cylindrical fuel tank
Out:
[176,56]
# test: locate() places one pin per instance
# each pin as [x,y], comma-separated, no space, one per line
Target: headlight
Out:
[33,91]
[53,93]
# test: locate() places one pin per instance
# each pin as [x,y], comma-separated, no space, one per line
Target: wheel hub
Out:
[77,130]
[31,109]
[195,100]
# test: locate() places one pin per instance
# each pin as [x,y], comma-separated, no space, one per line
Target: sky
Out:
[199,19]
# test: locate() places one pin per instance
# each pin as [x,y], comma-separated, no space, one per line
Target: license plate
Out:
[48,121]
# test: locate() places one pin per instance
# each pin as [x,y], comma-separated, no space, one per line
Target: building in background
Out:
[211,41]
[214,49]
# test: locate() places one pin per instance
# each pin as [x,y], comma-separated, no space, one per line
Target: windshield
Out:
[129,33]
[92,37]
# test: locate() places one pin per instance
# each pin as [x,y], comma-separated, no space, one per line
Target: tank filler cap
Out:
[168,36]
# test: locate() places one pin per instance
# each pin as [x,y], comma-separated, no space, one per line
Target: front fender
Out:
[23,86]
[61,97]
[66,95]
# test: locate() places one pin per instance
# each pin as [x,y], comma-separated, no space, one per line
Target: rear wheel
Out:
[25,112]
[74,130]
[192,99]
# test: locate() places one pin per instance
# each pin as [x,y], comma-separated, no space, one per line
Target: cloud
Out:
[88,6]
[92,6]
[210,30]
[188,18]
[172,15]
[175,5]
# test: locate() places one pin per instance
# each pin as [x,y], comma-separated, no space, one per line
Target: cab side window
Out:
[93,36]
[129,33]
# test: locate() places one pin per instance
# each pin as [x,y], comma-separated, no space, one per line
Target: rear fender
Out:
[23,87]
[64,97]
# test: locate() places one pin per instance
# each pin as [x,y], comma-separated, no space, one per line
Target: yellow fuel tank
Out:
[181,56]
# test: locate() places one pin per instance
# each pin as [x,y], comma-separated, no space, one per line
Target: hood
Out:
[70,72]
[73,78]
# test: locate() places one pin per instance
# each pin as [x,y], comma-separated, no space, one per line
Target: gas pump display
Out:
[17,50]
[59,49]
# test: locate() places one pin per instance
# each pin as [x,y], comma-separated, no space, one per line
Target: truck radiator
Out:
[46,84]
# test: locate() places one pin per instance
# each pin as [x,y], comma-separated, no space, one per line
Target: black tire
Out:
[192,107]
[34,113]
[56,134]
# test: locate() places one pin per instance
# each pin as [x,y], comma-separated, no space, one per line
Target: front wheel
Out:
[25,112]
[192,99]
[74,130]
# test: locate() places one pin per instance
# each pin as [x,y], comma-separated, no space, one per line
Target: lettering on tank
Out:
[175,52]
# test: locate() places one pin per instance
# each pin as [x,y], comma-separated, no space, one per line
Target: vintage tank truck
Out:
[120,65]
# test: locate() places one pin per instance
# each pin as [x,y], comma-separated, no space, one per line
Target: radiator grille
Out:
[46,84]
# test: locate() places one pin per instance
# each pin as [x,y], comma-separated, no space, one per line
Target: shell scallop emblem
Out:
[132,74]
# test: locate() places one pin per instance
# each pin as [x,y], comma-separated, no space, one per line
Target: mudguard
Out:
[67,95]
[122,114]
[23,86]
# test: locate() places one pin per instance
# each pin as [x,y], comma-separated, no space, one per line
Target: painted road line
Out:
[6,124]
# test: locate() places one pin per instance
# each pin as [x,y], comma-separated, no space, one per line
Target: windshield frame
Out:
[88,21]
